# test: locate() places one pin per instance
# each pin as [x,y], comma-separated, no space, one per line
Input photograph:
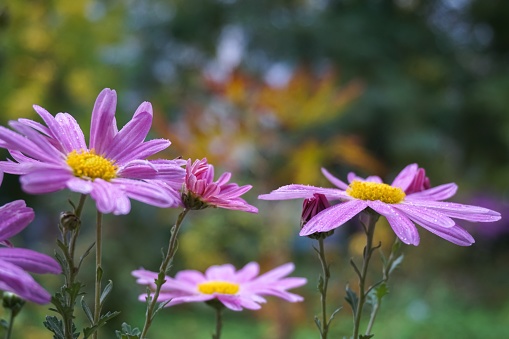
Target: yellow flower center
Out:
[221,287]
[88,165]
[365,190]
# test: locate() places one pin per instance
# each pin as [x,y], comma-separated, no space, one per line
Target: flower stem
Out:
[322,287]
[369,228]
[172,248]
[219,323]
[11,325]
[98,270]
[70,245]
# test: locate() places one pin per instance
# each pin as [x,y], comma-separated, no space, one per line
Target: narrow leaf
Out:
[106,292]
[87,311]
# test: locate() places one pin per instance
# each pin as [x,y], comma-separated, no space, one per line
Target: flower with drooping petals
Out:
[406,201]
[14,262]
[112,168]
[234,289]
[200,191]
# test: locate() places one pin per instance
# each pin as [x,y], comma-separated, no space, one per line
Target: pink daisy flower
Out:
[15,262]
[235,289]
[200,191]
[112,168]
[406,201]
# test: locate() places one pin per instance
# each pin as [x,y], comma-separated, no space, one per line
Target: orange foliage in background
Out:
[247,123]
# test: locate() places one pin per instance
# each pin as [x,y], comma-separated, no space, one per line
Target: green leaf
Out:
[395,263]
[87,252]
[381,291]
[106,292]
[128,333]
[320,284]
[99,273]
[366,336]
[318,324]
[87,332]
[54,325]
[87,311]
[352,299]
[334,314]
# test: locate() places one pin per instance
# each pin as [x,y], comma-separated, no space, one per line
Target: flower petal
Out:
[30,260]
[14,217]
[14,279]
[334,180]
[401,225]
[333,217]
[132,134]
[103,127]
[441,192]
[456,234]
[45,180]
[302,191]
[405,177]
[458,211]
[425,216]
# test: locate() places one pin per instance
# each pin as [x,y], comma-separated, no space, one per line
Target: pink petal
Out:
[401,225]
[405,177]
[103,127]
[334,180]
[333,217]
[45,180]
[14,217]
[425,216]
[456,234]
[441,192]
[296,191]
[30,260]
[132,134]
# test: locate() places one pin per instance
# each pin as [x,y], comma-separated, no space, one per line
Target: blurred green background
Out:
[273,91]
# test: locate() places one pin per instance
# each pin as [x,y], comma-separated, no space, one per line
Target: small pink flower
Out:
[112,168]
[235,289]
[200,191]
[15,262]
[406,201]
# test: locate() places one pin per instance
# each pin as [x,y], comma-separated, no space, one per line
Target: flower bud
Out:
[312,207]
[69,220]
[12,302]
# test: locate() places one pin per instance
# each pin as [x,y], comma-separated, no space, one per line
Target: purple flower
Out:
[235,289]
[112,168]
[14,262]
[406,201]
[200,191]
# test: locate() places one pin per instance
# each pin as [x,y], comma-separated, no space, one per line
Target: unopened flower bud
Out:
[12,302]
[69,220]
[312,207]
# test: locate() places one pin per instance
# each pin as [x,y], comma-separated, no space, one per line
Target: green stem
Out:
[219,323]
[324,330]
[73,270]
[172,248]
[11,325]
[385,279]
[369,228]
[372,318]
[98,270]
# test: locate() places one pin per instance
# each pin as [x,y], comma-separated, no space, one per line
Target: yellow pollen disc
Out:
[365,190]
[221,287]
[88,165]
